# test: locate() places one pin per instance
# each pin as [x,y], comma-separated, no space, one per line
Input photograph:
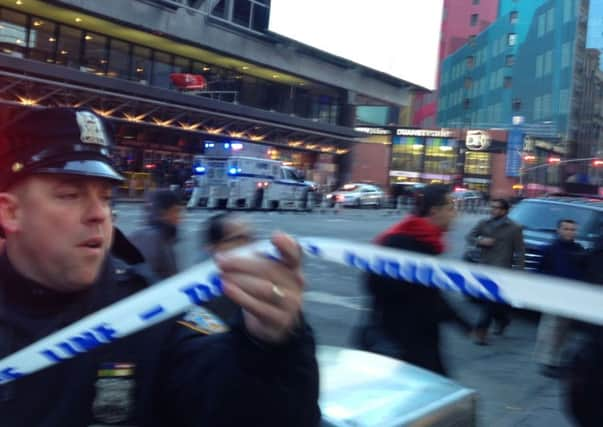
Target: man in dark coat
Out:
[157,239]
[501,244]
[406,317]
[63,260]
[584,374]
[562,258]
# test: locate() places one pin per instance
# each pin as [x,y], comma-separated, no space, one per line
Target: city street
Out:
[512,393]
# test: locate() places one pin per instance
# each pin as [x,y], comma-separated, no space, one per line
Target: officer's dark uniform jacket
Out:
[166,375]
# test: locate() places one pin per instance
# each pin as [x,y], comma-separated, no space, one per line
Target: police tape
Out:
[202,283]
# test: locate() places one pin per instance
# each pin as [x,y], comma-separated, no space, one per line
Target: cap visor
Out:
[91,168]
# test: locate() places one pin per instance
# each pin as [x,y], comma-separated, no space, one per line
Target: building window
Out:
[539,65]
[468,83]
[548,63]
[511,39]
[407,153]
[219,9]
[566,51]
[470,62]
[538,108]
[564,101]
[477,163]
[471,40]
[141,64]
[510,60]
[568,12]
[516,104]
[513,17]
[541,25]
[546,106]
[466,103]
[13,33]
[440,156]
[42,40]
[550,19]
[259,17]
[95,54]
[182,65]
[475,2]
[119,59]
[508,82]
[474,19]
[69,44]
[162,68]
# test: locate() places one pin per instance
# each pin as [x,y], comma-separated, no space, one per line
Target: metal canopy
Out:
[23,90]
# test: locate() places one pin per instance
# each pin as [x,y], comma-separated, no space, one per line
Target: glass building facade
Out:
[521,65]
[28,36]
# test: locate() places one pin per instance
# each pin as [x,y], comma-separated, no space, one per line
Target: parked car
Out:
[467,198]
[358,195]
[539,218]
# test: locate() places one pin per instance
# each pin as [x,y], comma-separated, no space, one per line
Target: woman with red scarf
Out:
[406,317]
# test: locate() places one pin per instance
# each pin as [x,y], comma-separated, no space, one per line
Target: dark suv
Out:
[539,218]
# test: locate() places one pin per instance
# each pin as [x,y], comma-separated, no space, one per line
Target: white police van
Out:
[247,183]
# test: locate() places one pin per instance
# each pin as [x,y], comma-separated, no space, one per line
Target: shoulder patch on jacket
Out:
[204,321]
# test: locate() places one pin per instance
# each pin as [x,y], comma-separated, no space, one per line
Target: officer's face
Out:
[60,229]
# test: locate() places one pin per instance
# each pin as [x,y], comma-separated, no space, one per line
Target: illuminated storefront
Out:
[425,156]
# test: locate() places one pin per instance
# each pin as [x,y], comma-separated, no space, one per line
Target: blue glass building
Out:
[523,64]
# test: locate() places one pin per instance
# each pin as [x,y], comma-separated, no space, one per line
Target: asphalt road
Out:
[512,393]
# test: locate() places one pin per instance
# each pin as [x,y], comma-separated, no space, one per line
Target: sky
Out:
[398,37]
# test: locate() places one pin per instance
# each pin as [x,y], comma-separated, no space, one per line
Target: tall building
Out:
[179,78]
[524,64]
[594,35]
[462,20]
[589,133]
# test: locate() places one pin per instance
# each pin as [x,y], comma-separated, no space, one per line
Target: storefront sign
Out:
[477,140]
[477,180]
[373,131]
[424,132]
[405,174]
[437,176]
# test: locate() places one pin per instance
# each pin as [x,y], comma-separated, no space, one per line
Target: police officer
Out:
[64,260]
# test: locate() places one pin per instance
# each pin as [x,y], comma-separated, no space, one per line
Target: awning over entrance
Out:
[32,84]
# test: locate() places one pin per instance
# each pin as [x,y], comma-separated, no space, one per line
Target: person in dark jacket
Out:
[583,377]
[562,258]
[157,240]
[500,241]
[64,261]
[221,233]
[406,317]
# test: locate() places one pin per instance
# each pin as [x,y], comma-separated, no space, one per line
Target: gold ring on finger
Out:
[278,292]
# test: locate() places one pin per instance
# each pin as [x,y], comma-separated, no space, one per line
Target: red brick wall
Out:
[502,186]
[370,162]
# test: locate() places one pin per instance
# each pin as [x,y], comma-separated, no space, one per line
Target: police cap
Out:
[56,141]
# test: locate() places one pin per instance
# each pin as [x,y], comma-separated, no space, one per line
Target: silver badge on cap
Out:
[91,129]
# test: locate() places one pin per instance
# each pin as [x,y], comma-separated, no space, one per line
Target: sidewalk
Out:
[512,392]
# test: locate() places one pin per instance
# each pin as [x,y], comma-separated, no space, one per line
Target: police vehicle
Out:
[248,183]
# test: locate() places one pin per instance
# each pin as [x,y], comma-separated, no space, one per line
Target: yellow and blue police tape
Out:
[201,283]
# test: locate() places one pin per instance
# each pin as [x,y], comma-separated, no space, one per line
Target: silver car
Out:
[358,195]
